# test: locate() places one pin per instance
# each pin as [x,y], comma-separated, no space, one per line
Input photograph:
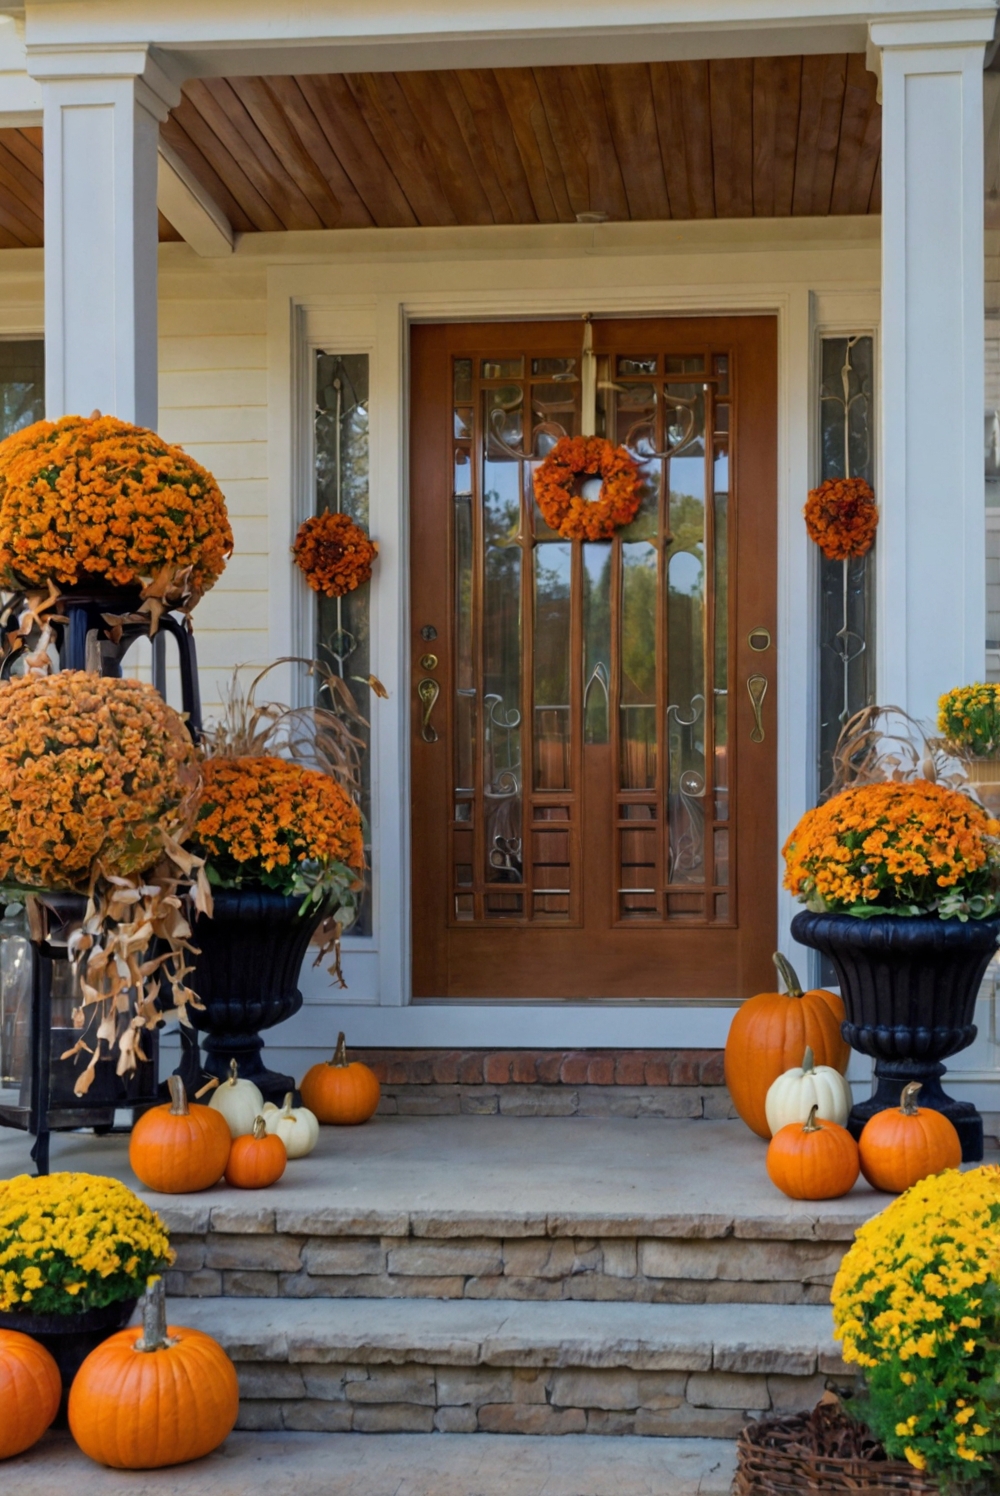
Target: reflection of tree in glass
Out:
[638,623]
[551,652]
[686,613]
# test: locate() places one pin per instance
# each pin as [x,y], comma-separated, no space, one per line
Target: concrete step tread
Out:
[789,1339]
[301,1464]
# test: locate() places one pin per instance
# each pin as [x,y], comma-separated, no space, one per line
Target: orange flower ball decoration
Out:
[93,771]
[261,817]
[842,517]
[98,498]
[564,508]
[333,553]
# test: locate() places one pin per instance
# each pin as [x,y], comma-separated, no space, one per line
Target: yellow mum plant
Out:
[969,717]
[72,1242]
[916,1304]
[85,499]
[905,848]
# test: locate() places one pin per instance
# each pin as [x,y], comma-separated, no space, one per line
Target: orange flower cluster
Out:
[333,553]
[842,517]
[911,847]
[93,772]
[261,818]
[565,510]
[97,498]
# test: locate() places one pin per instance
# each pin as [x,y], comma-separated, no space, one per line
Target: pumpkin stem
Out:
[286,1109]
[808,1061]
[340,1053]
[787,973]
[908,1100]
[259,1127]
[234,1073]
[154,1335]
[178,1096]
[810,1124]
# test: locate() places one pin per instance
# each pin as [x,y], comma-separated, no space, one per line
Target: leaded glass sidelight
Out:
[846,589]
[22,384]
[591,679]
[342,473]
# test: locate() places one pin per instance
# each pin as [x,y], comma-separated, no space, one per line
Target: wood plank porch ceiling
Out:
[765,137]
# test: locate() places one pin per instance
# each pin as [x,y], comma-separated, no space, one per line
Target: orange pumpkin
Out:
[770,1034]
[30,1389]
[177,1148]
[813,1160]
[154,1395]
[901,1146]
[257,1159]
[340,1091]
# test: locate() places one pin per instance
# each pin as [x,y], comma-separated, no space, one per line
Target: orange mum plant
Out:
[842,517]
[904,848]
[96,499]
[99,783]
[564,508]
[333,553]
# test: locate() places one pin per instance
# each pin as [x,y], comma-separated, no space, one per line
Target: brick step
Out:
[313,1251]
[417,1366]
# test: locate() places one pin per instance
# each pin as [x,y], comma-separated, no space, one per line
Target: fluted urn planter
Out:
[909,988]
[247,978]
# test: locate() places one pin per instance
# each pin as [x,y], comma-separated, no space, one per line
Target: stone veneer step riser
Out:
[627,1269]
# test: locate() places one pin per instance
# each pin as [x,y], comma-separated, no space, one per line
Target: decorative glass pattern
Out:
[846,590]
[342,471]
[591,679]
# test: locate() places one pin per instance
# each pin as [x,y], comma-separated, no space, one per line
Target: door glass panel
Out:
[638,666]
[553,564]
[597,641]
[622,643]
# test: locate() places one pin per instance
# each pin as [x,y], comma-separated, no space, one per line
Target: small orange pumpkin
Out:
[154,1395]
[770,1034]
[257,1159]
[30,1389]
[813,1160]
[340,1091]
[899,1147]
[177,1148]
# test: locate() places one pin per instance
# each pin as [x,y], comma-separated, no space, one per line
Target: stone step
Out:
[299,1249]
[416,1366]
[302,1464]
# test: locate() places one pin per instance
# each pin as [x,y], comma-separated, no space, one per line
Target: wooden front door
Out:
[594,723]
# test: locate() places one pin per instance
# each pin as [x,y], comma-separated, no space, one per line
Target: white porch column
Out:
[931,605]
[102,113]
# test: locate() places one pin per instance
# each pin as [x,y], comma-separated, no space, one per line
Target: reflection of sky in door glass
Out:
[685,574]
[687,476]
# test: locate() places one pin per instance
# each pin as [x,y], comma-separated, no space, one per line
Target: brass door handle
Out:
[757,688]
[428,690]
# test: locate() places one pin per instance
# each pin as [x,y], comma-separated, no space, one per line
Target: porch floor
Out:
[516,1175]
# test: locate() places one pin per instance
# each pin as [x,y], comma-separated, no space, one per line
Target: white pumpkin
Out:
[239,1101]
[793,1095]
[297,1127]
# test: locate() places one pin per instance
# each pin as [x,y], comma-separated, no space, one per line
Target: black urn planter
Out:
[909,988]
[70,1338]
[247,978]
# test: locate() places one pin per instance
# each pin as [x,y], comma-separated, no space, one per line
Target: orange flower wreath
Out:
[569,513]
[333,553]
[842,517]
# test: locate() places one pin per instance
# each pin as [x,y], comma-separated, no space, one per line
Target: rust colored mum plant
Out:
[96,499]
[94,775]
[268,823]
[842,517]
[557,480]
[333,553]
[896,848]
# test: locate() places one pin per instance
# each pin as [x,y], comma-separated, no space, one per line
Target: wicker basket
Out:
[821,1453]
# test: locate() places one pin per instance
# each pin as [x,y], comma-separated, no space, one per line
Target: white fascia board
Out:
[20,96]
[184,203]
[230,37]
